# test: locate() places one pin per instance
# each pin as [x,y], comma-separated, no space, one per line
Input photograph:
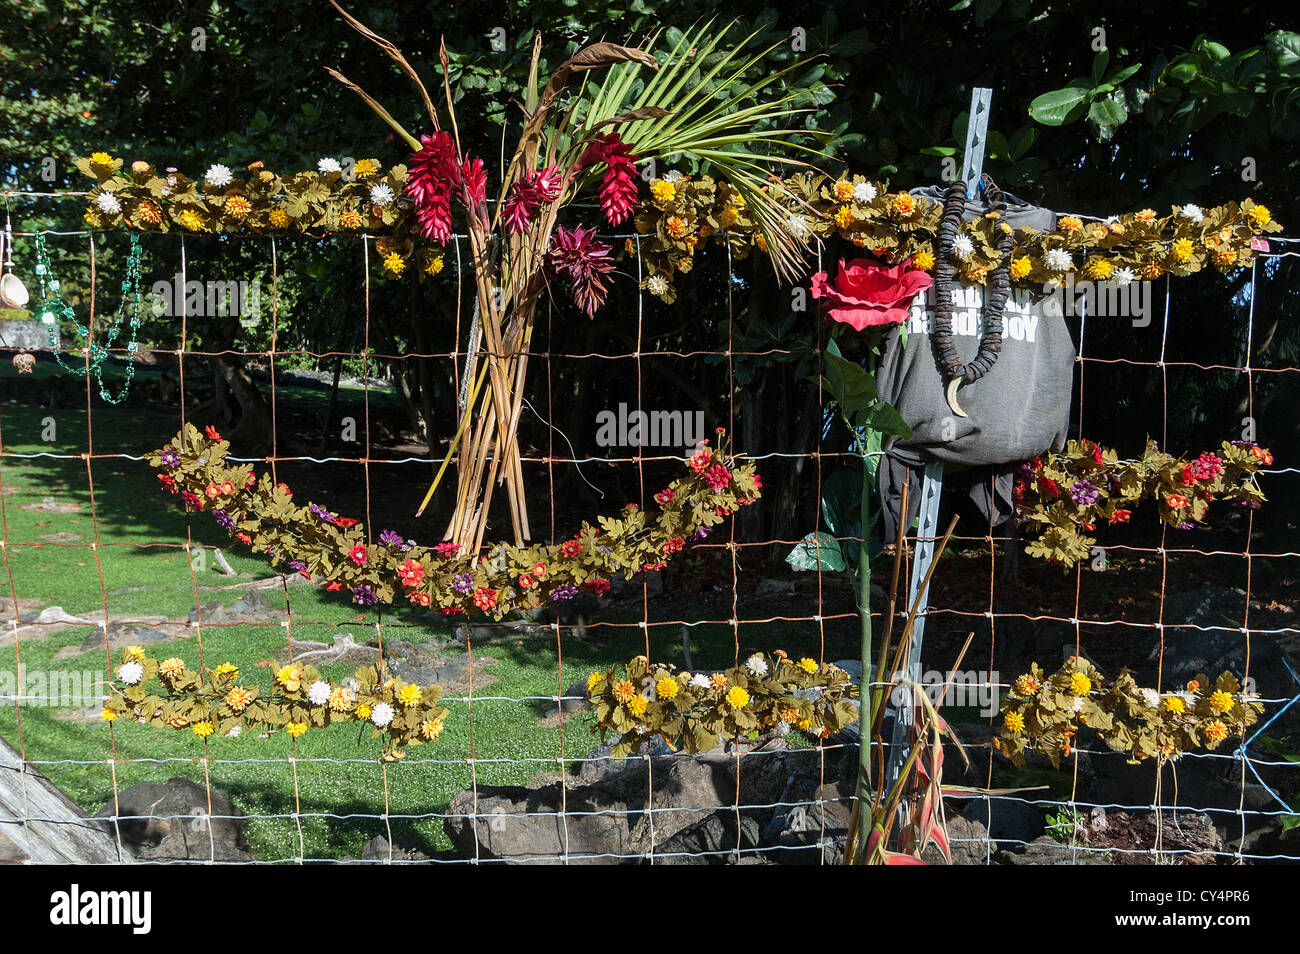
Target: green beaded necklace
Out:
[53,308]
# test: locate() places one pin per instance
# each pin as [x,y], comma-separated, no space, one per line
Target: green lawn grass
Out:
[326,805]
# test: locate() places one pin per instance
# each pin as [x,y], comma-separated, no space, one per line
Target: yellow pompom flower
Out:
[1080,684]
[924,261]
[238,206]
[676,226]
[171,668]
[1216,732]
[808,665]
[189,219]
[225,668]
[805,724]
[789,715]
[663,191]
[394,264]
[903,204]
[278,218]
[430,729]
[238,698]
[204,729]
[108,715]
[1070,223]
[365,167]
[1026,685]
[624,690]
[594,680]
[737,697]
[1220,701]
[666,688]
[350,219]
[1100,269]
[728,216]
[1014,722]
[976,275]
[844,217]
[1146,216]
[296,729]
[1176,705]
[290,677]
[149,213]
[1182,250]
[409,695]
[1224,256]
[434,265]
[1260,215]
[637,705]
[842,190]
[362,712]
[134,654]
[1021,266]
[101,159]
[341,699]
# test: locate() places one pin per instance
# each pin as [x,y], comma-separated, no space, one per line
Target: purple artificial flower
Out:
[364,595]
[1084,492]
[1186,525]
[170,457]
[297,565]
[565,591]
[321,512]
[701,533]
[462,583]
[1248,504]
[224,520]
[391,538]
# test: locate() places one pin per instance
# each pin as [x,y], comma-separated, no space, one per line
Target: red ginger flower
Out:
[618,188]
[432,173]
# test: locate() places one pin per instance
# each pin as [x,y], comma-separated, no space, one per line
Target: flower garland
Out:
[216,702]
[1044,713]
[334,551]
[692,712]
[1063,495]
[680,214]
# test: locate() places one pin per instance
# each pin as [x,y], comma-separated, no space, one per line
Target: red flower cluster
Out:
[528,194]
[485,598]
[411,573]
[435,174]
[618,188]
[570,548]
[673,545]
[599,587]
[717,477]
[584,262]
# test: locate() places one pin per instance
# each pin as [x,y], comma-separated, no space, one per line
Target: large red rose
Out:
[866,293]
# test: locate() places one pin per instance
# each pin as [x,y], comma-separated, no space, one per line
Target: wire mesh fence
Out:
[518,776]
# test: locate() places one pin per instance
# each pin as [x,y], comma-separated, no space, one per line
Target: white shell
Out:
[13,293]
[951,394]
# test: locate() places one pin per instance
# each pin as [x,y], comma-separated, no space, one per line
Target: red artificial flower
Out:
[192,500]
[1189,475]
[539,570]
[1046,485]
[570,548]
[411,573]
[673,545]
[357,555]
[646,567]
[168,482]
[285,487]
[758,481]
[446,548]
[213,490]
[701,460]
[485,598]
[305,573]
[599,587]
[227,488]
[420,598]
[1176,501]
[333,587]
[1261,454]
[244,539]
[212,433]
[252,479]
[631,508]
[1120,516]
[526,582]
[664,497]
[717,476]
[449,610]
[866,293]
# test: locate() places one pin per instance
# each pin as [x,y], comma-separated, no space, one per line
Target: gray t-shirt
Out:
[1019,409]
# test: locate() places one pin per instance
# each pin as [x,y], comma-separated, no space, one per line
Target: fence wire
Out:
[480,709]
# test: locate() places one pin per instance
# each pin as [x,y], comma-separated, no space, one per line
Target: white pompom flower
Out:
[701,681]
[218,175]
[756,665]
[328,164]
[1192,212]
[381,194]
[381,714]
[319,693]
[130,673]
[864,192]
[108,203]
[963,247]
[1058,260]
[1124,276]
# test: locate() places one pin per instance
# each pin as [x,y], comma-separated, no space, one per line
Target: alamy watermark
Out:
[58,689]
[624,428]
[1095,299]
[213,299]
[963,689]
